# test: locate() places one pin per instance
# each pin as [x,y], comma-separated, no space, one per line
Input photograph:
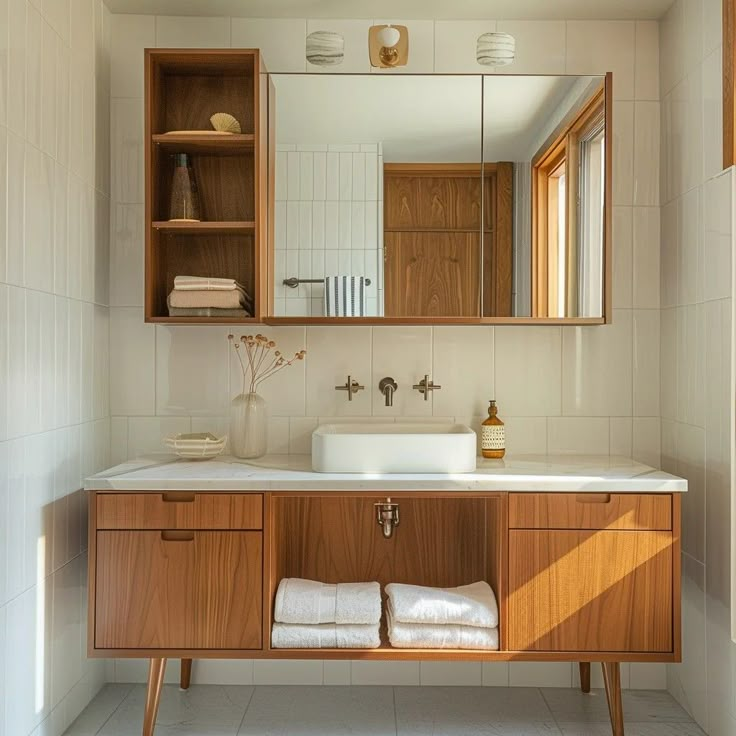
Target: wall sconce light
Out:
[325,48]
[388,46]
[495,49]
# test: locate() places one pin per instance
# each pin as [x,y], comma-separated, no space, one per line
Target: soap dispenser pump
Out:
[493,434]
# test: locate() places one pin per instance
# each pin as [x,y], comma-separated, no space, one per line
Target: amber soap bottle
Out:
[493,434]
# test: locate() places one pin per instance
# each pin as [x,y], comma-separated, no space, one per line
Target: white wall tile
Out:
[127,147]
[597,368]
[578,435]
[282,41]
[646,153]
[455,45]
[646,368]
[132,363]
[540,674]
[15,211]
[404,354]
[130,35]
[192,32]
[450,673]
[287,672]
[596,47]
[623,256]
[17,52]
[646,257]
[646,71]
[34,89]
[623,153]
[647,441]
[385,673]
[540,44]
[528,370]
[146,434]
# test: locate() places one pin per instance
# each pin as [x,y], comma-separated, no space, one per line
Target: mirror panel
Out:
[551,131]
[438,197]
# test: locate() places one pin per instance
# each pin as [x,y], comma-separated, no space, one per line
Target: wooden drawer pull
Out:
[177,497]
[593,498]
[174,536]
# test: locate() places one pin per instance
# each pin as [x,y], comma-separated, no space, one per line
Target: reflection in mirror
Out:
[378,196]
[551,132]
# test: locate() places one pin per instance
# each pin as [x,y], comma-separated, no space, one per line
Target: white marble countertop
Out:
[521,473]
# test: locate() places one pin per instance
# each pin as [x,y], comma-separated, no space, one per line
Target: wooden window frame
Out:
[729,83]
[563,146]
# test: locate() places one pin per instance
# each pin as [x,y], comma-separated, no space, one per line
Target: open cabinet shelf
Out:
[184,88]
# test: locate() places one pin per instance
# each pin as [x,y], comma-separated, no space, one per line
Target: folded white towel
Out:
[200,283]
[300,601]
[325,636]
[467,605]
[441,636]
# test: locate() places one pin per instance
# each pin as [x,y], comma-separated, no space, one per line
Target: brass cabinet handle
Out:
[178,497]
[593,498]
[176,536]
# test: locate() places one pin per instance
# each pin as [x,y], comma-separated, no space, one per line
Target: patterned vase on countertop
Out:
[248,425]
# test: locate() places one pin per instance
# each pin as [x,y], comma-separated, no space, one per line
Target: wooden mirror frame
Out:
[607,289]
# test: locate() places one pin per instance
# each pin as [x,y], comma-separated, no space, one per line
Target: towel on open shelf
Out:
[204,283]
[209,312]
[325,636]
[440,636]
[467,605]
[300,601]
[345,296]
[202,299]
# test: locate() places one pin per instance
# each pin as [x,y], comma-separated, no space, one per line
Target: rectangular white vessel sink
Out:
[393,448]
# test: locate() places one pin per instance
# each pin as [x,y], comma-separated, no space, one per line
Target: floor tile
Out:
[96,714]
[473,711]
[640,706]
[204,710]
[320,711]
[632,729]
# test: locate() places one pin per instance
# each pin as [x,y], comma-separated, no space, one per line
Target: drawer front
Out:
[604,591]
[178,590]
[590,511]
[179,510]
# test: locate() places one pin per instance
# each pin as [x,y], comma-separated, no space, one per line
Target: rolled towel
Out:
[467,605]
[325,636]
[204,283]
[300,601]
[440,636]
[234,299]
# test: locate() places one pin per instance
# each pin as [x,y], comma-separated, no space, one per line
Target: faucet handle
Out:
[351,386]
[425,386]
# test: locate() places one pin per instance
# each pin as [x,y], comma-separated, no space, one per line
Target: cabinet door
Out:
[608,591]
[178,590]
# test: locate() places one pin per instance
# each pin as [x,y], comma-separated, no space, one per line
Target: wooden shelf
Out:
[211,144]
[205,228]
[204,320]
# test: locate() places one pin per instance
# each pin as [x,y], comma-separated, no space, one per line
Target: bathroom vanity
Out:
[582,553]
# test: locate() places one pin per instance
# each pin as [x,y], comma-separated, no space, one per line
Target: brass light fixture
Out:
[388,46]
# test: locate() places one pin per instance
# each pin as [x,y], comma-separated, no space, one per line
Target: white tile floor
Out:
[214,710]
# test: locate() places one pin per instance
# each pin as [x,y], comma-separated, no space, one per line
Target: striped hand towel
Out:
[345,296]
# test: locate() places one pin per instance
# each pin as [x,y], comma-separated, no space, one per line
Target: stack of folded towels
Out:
[313,615]
[197,296]
[442,618]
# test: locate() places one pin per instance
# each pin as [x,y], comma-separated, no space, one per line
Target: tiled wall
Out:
[593,390]
[326,222]
[54,328]
[696,296]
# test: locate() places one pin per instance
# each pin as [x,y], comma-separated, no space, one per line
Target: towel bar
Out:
[293,282]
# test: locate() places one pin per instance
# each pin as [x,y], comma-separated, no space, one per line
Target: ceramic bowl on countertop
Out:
[198,446]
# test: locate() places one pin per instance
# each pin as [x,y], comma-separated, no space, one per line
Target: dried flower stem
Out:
[263,360]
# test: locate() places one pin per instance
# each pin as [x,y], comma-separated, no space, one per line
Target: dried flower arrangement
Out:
[262,360]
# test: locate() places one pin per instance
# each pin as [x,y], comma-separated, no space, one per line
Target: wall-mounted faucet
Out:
[387,516]
[351,386]
[425,386]
[387,387]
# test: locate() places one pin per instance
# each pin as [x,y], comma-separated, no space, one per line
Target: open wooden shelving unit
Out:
[184,88]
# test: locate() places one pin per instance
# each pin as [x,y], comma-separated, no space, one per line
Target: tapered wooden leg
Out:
[185,678]
[585,677]
[153,695]
[612,681]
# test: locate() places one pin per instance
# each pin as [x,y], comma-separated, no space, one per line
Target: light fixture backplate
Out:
[401,48]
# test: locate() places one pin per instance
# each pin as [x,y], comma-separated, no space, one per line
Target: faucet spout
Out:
[387,387]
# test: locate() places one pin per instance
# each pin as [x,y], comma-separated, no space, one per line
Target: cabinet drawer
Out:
[590,511]
[178,590]
[179,510]
[600,591]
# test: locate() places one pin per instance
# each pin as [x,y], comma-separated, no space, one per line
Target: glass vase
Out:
[248,425]
[184,201]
